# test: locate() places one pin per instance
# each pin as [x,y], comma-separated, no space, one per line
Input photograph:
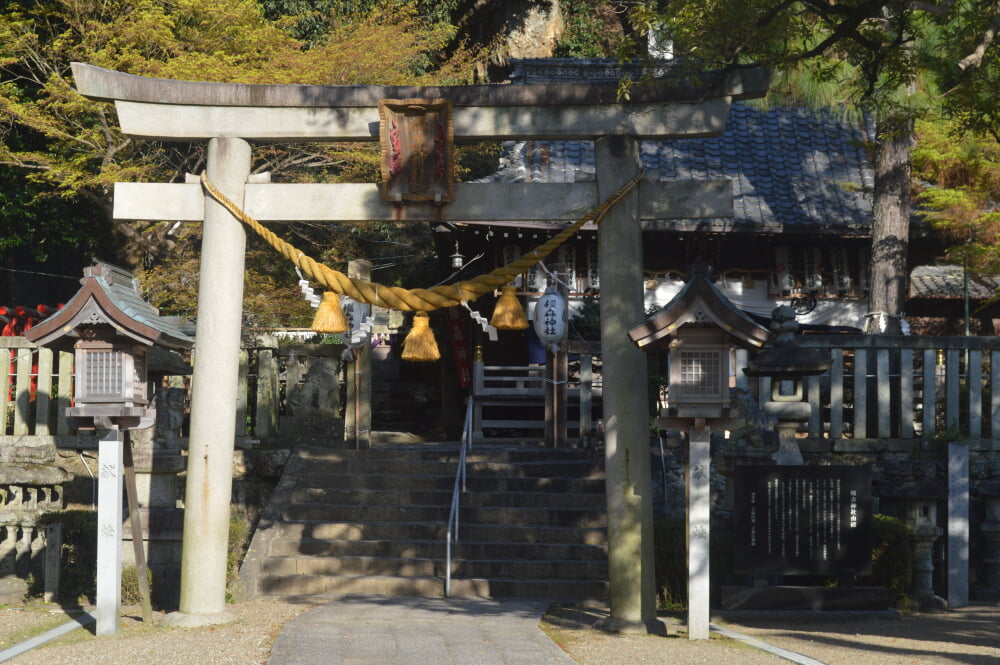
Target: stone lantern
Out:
[786,363]
[111,330]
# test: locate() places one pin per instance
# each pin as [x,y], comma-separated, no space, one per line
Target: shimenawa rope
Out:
[423,300]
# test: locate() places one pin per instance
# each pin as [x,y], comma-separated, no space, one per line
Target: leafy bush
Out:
[892,558]
[239,540]
[78,573]
[130,585]
[670,555]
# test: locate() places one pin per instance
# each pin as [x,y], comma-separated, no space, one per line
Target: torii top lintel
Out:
[196,110]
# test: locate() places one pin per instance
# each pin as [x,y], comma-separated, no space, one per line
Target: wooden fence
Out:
[900,387]
[877,387]
[38,386]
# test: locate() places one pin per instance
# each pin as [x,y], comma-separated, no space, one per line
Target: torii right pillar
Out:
[631,572]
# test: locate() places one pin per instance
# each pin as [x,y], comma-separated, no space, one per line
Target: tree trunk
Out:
[891,226]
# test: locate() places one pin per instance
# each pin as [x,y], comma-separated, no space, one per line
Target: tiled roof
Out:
[947,282]
[123,290]
[110,295]
[793,170]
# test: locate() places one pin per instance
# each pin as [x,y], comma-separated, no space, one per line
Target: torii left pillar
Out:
[214,392]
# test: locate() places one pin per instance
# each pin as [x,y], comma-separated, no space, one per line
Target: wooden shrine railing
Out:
[510,400]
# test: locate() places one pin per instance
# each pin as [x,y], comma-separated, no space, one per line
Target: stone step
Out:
[466,549]
[470,515]
[496,533]
[362,530]
[313,586]
[406,496]
[351,565]
[515,569]
[396,481]
[556,485]
[329,512]
[378,481]
[450,453]
[530,516]
[548,589]
[435,549]
[332,547]
[411,567]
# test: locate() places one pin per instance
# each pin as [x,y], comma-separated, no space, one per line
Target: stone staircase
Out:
[373,522]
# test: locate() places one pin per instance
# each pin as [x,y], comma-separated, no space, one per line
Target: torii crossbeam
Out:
[230,116]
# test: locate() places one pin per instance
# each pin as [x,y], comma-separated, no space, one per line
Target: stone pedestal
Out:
[156,471]
[922,518]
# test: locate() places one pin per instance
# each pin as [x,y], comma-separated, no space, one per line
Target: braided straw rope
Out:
[423,300]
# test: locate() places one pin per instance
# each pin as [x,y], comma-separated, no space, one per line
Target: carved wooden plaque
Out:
[417,138]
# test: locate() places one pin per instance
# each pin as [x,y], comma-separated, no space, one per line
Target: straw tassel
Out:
[508,314]
[330,317]
[420,345]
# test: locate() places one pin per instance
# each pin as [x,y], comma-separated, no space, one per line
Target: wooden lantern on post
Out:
[699,372]
[700,327]
[111,330]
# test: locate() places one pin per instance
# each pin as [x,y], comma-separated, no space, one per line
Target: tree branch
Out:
[975,58]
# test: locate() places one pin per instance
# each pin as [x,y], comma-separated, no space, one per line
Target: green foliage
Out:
[892,558]
[77,579]
[959,176]
[60,153]
[240,531]
[593,30]
[130,585]
[670,555]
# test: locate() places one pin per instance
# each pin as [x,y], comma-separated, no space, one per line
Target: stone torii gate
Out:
[231,116]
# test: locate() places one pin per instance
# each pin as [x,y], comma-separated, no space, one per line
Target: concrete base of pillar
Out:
[184,620]
[620,626]
[929,603]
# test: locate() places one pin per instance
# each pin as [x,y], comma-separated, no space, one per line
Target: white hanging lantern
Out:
[813,269]
[784,280]
[550,318]
[841,271]
[536,278]
[509,253]
[567,257]
[593,272]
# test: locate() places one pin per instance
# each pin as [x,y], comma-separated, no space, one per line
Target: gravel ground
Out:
[970,636]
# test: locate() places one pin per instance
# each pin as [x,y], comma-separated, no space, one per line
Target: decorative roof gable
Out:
[699,302]
[793,170]
[110,296]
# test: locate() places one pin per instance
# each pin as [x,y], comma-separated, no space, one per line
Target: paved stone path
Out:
[358,630]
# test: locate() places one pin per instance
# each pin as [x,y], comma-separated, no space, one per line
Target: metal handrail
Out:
[451,534]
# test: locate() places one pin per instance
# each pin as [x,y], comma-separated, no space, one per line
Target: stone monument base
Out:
[808,598]
[12,590]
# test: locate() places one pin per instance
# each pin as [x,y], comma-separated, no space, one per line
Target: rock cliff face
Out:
[536,38]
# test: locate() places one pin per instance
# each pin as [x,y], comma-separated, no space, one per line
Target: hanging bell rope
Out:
[420,300]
